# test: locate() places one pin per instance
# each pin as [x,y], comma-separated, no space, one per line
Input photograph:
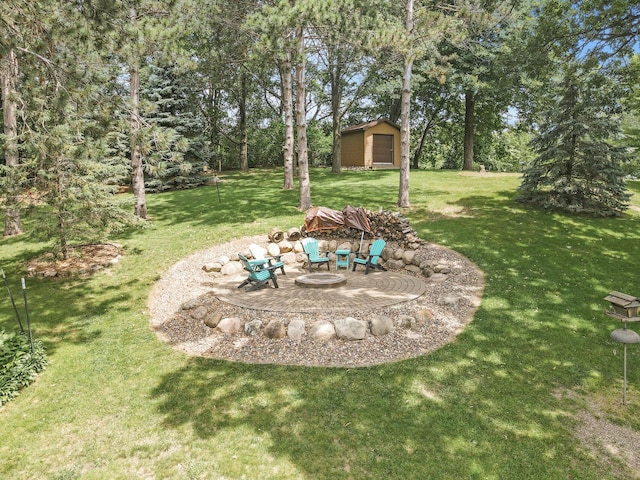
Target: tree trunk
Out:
[242,123]
[287,100]
[61,208]
[469,123]
[423,138]
[9,81]
[335,75]
[405,109]
[301,125]
[137,171]
[336,163]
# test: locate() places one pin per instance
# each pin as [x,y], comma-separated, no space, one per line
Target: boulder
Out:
[408,256]
[230,325]
[344,246]
[257,251]
[212,267]
[212,319]
[273,249]
[289,258]
[322,331]
[231,268]
[394,264]
[406,321]
[413,269]
[285,246]
[444,269]
[295,330]
[275,329]
[252,328]
[350,328]
[424,315]
[381,325]
[193,303]
[199,312]
[437,277]
[450,301]
[223,260]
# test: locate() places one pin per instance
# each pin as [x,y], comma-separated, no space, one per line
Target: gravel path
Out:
[446,307]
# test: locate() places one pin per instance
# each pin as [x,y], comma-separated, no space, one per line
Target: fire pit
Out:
[320,280]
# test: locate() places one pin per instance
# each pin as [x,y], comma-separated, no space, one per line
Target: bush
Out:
[18,366]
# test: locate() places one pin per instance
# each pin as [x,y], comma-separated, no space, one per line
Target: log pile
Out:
[393,227]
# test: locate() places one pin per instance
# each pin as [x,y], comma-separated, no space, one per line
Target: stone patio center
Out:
[359,292]
[320,280]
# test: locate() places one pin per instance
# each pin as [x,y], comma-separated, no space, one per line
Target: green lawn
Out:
[499,403]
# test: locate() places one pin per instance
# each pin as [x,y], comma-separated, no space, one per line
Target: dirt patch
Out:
[613,445]
[82,260]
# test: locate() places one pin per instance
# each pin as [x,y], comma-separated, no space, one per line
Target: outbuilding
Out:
[372,145]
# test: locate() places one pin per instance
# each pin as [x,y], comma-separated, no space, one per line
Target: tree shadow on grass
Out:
[63,311]
[427,418]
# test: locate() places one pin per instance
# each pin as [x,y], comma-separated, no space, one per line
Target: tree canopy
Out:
[158,95]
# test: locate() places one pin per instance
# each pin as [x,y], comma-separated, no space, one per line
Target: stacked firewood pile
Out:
[391,226]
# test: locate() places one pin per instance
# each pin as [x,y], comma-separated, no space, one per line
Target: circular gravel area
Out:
[442,305]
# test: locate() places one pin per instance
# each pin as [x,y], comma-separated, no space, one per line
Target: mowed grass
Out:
[498,403]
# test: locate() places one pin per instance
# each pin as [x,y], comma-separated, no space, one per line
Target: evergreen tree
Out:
[578,169]
[631,121]
[176,159]
[66,143]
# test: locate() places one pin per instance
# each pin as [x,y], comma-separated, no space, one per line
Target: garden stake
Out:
[216,180]
[26,309]
[15,309]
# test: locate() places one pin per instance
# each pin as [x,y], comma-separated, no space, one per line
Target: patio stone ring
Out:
[320,280]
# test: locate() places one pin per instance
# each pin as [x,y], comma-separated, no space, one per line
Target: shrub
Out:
[18,365]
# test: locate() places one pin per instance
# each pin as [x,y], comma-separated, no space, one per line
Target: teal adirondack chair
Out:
[310,246]
[370,260]
[260,258]
[258,274]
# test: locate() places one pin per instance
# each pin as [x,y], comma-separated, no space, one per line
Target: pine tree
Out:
[175,159]
[72,164]
[578,169]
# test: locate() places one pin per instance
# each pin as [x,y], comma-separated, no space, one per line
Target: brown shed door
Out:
[382,148]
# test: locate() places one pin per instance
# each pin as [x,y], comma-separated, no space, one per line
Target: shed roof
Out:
[367,125]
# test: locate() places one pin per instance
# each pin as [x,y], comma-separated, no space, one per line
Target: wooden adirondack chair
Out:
[310,246]
[260,258]
[259,274]
[370,260]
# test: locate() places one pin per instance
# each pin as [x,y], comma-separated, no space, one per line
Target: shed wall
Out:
[352,149]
